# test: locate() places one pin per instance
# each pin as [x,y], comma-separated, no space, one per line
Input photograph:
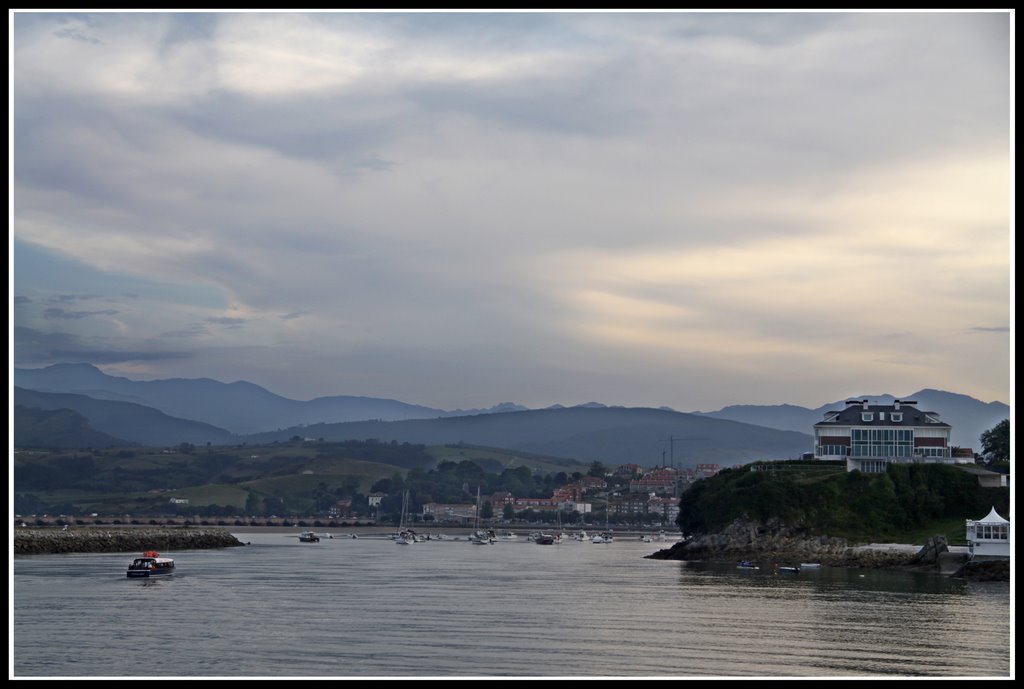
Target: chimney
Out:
[896,405]
[865,405]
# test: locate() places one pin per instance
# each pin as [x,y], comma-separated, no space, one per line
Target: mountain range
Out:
[238,408]
[201,411]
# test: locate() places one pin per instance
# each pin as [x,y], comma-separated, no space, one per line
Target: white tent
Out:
[992,518]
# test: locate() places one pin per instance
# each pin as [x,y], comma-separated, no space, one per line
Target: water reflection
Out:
[822,578]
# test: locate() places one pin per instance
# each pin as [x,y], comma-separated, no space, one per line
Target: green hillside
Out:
[296,477]
[58,428]
[908,500]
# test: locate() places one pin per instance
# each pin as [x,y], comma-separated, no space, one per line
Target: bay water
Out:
[368,608]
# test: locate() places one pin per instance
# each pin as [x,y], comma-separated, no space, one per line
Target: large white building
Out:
[869,437]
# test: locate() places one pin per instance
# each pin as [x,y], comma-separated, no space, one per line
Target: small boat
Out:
[746,564]
[603,537]
[787,568]
[810,565]
[151,565]
[481,538]
[544,539]
[308,537]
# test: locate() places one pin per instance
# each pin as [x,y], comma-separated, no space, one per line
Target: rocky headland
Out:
[775,542]
[32,541]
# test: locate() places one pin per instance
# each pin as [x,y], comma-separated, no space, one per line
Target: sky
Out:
[458,209]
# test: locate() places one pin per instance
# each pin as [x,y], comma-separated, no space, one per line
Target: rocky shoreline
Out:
[778,543]
[29,541]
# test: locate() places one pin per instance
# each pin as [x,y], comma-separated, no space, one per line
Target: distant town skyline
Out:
[457,209]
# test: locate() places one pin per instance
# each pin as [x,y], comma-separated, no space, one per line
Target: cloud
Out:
[33,347]
[613,199]
[61,313]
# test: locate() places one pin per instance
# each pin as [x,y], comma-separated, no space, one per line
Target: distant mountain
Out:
[611,435]
[60,428]
[133,422]
[225,410]
[239,407]
[968,416]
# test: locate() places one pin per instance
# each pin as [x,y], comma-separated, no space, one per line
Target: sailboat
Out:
[404,536]
[479,536]
[606,535]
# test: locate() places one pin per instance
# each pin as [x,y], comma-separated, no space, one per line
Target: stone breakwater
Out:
[29,541]
[775,542]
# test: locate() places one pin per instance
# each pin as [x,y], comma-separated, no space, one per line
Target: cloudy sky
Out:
[460,209]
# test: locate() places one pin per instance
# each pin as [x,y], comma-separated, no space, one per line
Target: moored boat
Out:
[309,537]
[746,564]
[151,564]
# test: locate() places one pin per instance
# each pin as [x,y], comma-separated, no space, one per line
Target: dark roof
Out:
[912,416]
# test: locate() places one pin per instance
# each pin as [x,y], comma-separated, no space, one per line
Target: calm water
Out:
[369,608]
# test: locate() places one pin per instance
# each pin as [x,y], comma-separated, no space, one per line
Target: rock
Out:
[929,554]
[984,570]
[778,542]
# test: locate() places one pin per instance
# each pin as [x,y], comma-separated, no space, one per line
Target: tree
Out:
[995,443]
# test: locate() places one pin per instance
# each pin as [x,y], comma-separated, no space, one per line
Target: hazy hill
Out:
[969,417]
[611,435]
[59,428]
[239,407]
[133,422]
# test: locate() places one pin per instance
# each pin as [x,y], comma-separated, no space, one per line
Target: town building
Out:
[592,483]
[443,512]
[708,470]
[668,508]
[663,480]
[869,437]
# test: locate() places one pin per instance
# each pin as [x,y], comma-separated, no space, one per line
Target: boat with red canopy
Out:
[151,564]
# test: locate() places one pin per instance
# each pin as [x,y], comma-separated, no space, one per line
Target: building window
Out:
[897,416]
[882,442]
[874,467]
[867,416]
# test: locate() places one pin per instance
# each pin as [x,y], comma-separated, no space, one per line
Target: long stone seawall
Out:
[29,541]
